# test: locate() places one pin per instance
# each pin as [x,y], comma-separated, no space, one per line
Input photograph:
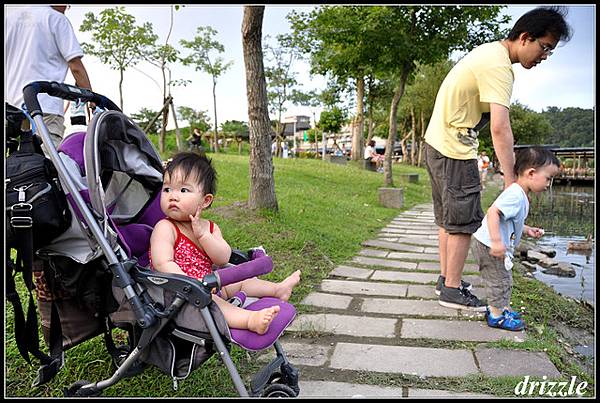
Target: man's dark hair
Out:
[533,157]
[542,21]
[197,165]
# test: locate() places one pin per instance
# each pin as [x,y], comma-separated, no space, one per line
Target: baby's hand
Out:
[199,225]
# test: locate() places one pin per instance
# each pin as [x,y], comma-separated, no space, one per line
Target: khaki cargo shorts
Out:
[455,189]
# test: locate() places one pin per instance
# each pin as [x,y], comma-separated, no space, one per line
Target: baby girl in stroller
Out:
[185,243]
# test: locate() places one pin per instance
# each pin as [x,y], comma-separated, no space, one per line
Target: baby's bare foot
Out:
[259,321]
[284,290]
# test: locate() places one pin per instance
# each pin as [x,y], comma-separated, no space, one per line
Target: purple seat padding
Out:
[73,147]
[136,238]
[250,340]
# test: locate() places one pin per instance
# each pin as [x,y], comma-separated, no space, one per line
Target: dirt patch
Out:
[238,211]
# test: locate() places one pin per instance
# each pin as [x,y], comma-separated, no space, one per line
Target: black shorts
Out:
[455,188]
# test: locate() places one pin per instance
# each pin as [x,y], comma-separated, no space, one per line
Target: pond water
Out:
[567,213]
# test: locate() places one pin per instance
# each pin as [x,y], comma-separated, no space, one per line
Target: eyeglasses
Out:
[545,48]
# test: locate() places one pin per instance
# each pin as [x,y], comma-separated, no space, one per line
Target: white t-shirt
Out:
[368,152]
[514,207]
[39,42]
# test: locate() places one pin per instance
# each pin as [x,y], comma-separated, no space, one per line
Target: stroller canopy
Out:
[119,174]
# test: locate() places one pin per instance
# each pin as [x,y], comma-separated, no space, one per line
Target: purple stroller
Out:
[112,177]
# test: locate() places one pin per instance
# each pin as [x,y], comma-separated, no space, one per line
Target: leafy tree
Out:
[421,93]
[528,127]
[281,80]
[331,120]
[339,42]
[572,127]
[195,118]
[144,117]
[237,130]
[262,182]
[201,46]
[120,43]
[406,35]
[161,56]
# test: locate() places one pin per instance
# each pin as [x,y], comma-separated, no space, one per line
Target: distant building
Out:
[302,123]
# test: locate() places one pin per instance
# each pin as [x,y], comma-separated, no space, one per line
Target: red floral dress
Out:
[192,260]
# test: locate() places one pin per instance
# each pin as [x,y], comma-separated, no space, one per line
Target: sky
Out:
[566,79]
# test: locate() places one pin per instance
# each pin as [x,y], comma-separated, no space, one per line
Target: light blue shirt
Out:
[513,205]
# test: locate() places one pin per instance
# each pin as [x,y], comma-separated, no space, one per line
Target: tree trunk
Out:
[393,131]
[121,91]
[163,125]
[262,183]
[177,132]
[404,148]
[216,149]
[422,139]
[357,134]
[412,137]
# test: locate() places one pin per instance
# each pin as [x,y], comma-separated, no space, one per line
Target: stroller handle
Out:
[64,91]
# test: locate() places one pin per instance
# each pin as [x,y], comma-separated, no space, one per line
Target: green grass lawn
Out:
[325,212]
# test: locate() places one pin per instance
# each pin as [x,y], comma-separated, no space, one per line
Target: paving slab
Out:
[428,291]
[433,266]
[363,288]
[327,300]
[393,246]
[422,291]
[321,389]
[401,239]
[406,307]
[503,362]
[372,261]
[456,330]
[411,277]
[373,252]
[412,392]
[352,272]
[310,354]
[417,236]
[422,222]
[409,231]
[419,361]
[359,326]
[413,256]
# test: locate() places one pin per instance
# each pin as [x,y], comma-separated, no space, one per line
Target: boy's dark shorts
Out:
[455,188]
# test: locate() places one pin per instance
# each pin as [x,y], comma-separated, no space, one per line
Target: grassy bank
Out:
[325,212]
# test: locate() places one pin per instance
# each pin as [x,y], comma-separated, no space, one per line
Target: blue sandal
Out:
[505,321]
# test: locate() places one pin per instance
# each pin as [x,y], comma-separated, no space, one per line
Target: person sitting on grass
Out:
[185,243]
[501,231]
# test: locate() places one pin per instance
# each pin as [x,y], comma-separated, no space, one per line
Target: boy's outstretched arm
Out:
[533,232]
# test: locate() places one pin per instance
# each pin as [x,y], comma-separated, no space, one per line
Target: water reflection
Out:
[567,213]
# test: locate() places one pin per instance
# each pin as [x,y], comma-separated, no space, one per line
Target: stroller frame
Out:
[277,378]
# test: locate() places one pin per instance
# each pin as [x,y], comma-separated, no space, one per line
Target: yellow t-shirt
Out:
[462,105]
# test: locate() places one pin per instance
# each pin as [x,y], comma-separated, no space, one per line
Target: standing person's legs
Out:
[456,255]
[455,192]
[435,169]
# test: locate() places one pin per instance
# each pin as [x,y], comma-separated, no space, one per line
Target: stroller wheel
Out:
[75,390]
[278,390]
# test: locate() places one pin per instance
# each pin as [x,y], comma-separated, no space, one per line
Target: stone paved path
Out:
[378,313]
